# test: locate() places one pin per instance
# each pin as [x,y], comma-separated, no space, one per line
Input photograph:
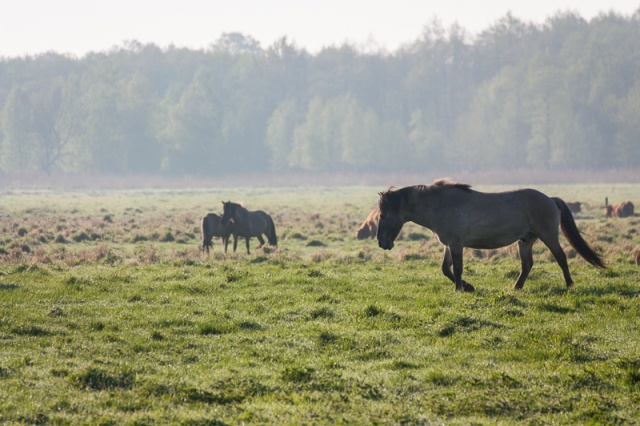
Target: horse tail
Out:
[271,232]
[572,234]
[207,234]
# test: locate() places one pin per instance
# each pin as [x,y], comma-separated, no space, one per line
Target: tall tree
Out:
[17,145]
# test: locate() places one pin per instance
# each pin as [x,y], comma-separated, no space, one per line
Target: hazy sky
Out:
[80,26]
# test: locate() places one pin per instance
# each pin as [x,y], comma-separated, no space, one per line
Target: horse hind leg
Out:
[561,258]
[525,250]
[446,265]
[261,240]
[247,240]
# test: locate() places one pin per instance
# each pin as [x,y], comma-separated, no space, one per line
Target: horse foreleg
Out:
[225,242]
[235,242]
[525,250]
[455,260]
[247,239]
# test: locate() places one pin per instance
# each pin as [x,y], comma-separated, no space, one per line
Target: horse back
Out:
[256,223]
[490,220]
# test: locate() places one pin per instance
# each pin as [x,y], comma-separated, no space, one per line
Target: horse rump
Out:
[271,232]
[211,226]
[369,227]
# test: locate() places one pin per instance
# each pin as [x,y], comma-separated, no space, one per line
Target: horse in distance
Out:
[248,224]
[623,209]
[369,227]
[211,226]
[574,206]
[461,217]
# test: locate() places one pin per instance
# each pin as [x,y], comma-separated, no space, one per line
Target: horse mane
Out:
[443,183]
[393,198]
[234,204]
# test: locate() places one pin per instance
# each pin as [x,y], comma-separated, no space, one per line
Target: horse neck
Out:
[418,208]
[245,223]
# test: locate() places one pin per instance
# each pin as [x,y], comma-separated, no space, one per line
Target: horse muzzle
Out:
[385,245]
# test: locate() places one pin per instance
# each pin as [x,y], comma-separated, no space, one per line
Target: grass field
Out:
[110,314]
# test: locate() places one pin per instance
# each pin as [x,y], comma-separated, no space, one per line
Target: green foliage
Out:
[562,95]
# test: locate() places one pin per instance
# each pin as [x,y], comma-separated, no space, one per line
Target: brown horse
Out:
[623,209]
[248,224]
[211,226]
[461,217]
[369,227]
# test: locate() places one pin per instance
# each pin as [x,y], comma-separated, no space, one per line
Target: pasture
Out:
[111,314]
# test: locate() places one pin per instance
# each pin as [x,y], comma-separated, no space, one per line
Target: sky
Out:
[77,27]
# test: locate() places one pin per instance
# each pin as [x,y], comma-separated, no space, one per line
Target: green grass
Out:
[119,330]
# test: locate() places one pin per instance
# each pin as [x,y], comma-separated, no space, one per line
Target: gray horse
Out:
[248,224]
[461,217]
[211,226]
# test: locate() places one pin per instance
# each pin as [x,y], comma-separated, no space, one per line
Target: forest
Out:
[562,95]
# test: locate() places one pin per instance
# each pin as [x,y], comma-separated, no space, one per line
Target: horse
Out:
[369,227]
[211,226]
[248,224]
[461,217]
[623,209]
[574,206]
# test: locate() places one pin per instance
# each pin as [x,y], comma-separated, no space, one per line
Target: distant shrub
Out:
[81,237]
[139,238]
[316,243]
[298,236]
[167,237]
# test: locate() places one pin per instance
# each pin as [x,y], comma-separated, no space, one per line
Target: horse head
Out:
[228,213]
[391,220]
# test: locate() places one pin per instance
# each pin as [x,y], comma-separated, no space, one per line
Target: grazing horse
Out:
[248,224]
[211,226]
[369,227]
[574,206]
[623,209]
[461,217]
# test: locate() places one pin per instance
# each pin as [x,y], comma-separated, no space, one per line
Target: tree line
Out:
[560,95]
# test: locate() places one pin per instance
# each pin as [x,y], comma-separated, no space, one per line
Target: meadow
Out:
[111,314]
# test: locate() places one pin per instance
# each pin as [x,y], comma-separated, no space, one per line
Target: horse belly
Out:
[493,236]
